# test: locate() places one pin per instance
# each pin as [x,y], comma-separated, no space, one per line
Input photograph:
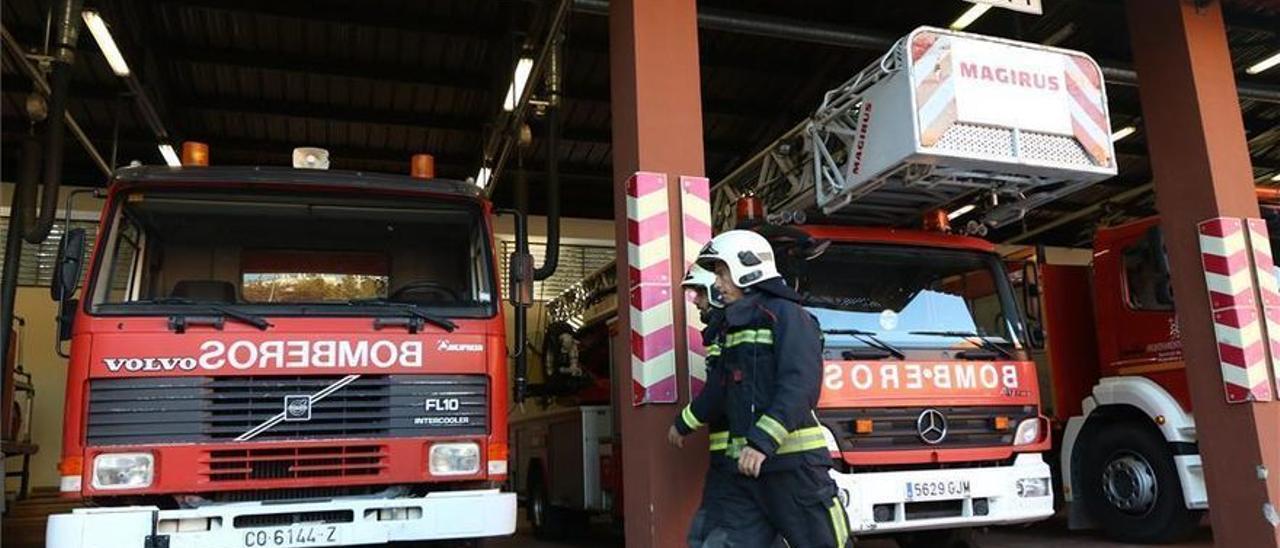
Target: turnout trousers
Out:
[799,503]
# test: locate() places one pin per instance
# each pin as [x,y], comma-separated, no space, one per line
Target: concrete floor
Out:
[1048,534]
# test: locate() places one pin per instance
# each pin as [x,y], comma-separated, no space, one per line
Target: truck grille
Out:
[220,409]
[294,463]
[894,428]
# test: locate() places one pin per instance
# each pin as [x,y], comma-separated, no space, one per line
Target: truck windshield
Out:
[278,253]
[892,292]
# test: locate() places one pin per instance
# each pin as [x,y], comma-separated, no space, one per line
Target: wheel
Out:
[1131,488]
[548,521]
[941,538]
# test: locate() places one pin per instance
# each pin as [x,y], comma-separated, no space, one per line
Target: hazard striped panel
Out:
[1242,351]
[653,330]
[935,88]
[695,206]
[1268,290]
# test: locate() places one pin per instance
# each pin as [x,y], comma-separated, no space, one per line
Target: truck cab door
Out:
[1138,329]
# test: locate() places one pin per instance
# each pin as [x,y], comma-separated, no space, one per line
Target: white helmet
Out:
[747,254]
[701,278]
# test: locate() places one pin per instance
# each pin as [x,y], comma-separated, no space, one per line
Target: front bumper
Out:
[997,486]
[336,522]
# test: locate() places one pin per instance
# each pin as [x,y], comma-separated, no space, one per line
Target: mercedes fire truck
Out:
[930,399]
[284,357]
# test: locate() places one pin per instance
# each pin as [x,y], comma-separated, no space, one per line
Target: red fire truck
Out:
[930,398]
[1130,462]
[284,357]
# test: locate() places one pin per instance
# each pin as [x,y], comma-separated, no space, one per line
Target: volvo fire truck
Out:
[1130,460]
[284,357]
[930,400]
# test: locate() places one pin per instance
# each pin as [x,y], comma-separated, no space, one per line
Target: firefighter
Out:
[707,408]
[771,359]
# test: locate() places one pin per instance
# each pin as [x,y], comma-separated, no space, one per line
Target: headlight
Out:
[1033,487]
[454,459]
[123,470]
[1028,432]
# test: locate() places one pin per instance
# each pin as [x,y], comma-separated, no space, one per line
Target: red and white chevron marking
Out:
[931,72]
[1268,290]
[1242,353]
[653,358]
[1089,123]
[695,205]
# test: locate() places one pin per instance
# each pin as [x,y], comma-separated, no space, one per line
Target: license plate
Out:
[937,490]
[293,535]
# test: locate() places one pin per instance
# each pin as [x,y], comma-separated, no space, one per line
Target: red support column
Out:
[657,127]
[1200,163]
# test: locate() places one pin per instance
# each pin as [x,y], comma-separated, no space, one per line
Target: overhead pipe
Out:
[803,31]
[497,147]
[35,230]
[42,86]
[551,256]
[27,173]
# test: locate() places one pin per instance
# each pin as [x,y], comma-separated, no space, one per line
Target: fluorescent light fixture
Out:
[482,178]
[969,16]
[1276,178]
[106,43]
[170,157]
[1122,133]
[960,211]
[1264,64]
[518,80]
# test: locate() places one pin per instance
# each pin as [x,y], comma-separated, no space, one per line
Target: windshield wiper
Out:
[411,309]
[970,336]
[242,317]
[868,338]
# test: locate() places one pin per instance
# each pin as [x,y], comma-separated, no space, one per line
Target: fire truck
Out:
[269,356]
[930,399]
[1130,461]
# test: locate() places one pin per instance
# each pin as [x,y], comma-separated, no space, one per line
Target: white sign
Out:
[1024,6]
[1007,86]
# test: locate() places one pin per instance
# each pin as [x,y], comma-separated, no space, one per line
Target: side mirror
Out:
[66,316]
[70,262]
[1035,336]
[520,279]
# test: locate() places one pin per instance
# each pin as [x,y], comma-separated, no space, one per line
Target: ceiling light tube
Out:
[1264,64]
[106,43]
[170,157]
[518,80]
[1123,132]
[482,177]
[969,16]
[960,211]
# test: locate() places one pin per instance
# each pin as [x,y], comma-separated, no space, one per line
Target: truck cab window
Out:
[275,253]
[898,292]
[1147,282]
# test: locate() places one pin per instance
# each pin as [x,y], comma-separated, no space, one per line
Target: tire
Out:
[1131,488]
[549,522]
[941,538]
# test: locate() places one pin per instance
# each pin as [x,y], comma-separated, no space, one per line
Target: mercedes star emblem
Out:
[932,426]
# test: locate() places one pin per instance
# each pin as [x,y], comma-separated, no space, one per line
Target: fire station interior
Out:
[545,118]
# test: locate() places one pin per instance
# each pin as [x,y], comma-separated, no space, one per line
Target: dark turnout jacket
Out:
[771,358]
[707,408]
